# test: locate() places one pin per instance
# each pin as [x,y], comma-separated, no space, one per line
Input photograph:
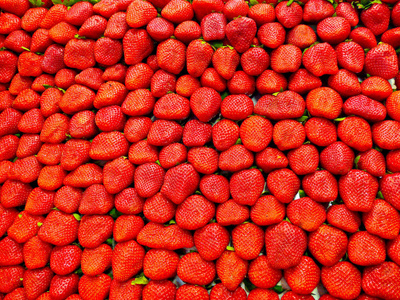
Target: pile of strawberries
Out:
[193,150]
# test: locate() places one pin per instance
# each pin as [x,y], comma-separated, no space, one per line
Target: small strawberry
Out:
[110,93]
[321,186]
[357,105]
[225,60]
[84,176]
[108,146]
[365,249]
[30,144]
[12,254]
[211,241]
[271,82]
[267,211]
[14,193]
[220,292]
[231,269]
[304,160]
[12,278]
[376,18]
[343,218]
[300,210]
[37,281]
[67,199]
[128,202]
[317,10]
[250,57]
[115,72]
[376,87]
[17,41]
[55,129]
[61,287]
[355,132]
[96,200]
[232,213]
[392,250]
[347,11]
[142,152]
[187,31]
[193,269]
[168,51]
[96,260]
[160,264]
[364,37]
[283,184]
[270,159]
[51,177]
[127,260]
[240,33]
[237,107]
[53,59]
[186,85]
[301,36]
[384,134]
[40,202]
[392,161]
[91,78]
[172,107]
[198,57]
[65,259]
[320,59]
[205,103]
[246,186]
[94,287]
[116,26]
[9,23]
[9,119]
[177,11]
[271,35]
[373,162]
[248,240]
[137,45]
[327,244]
[288,134]
[304,277]
[79,13]
[203,159]
[342,280]
[345,83]
[36,253]
[262,275]
[213,26]
[94,230]
[140,13]
[172,155]
[187,217]
[333,30]
[164,132]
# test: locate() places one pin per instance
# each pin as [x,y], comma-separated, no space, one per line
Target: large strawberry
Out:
[379,281]
[382,61]
[304,277]
[193,269]
[231,269]
[198,57]
[241,32]
[320,59]
[137,46]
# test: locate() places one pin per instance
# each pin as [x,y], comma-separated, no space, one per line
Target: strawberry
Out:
[392,250]
[121,290]
[256,133]
[285,244]
[379,281]
[9,119]
[171,50]
[225,134]
[65,259]
[49,101]
[232,213]
[138,76]
[6,98]
[18,8]
[93,27]
[283,184]
[25,170]
[91,78]
[198,57]
[177,11]
[17,41]
[327,244]
[251,56]
[158,236]
[115,72]
[347,11]
[96,260]
[11,275]
[365,249]
[110,93]
[67,199]
[36,253]
[94,287]
[382,61]
[301,36]
[367,108]
[25,227]
[172,107]
[364,37]
[240,32]
[128,202]
[248,240]
[172,155]
[30,144]
[376,18]
[393,106]
[356,133]
[62,32]
[51,177]
[127,260]
[116,26]
[40,202]
[8,66]
[84,176]
[110,118]
[186,85]
[203,159]
[7,216]
[31,122]
[26,100]
[137,128]
[211,241]
[300,210]
[95,230]
[193,269]
[53,59]
[188,291]
[14,193]
[137,45]
[342,280]
[118,175]
[321,186]
[162,83]
[79,54]
[286,58]
[324,102]
[160,29]
[384,134]
[225,61]
[237,107]
[196,133]
[345,83]
[373,162]
[142,152]
[164,132]
[343,218]
[235,9]
[159,209]
[160,264]
[289,14]
[320,59]
[246,194]
[392,159]
[220,292]
[9,22]
[140,13]
[231,269]
[54,15]
[41,41]
[194,212]
[391,37]
[96,200]
[303,160]
[59,228]
[205,103]
[317,10]
[381,220]
[162,289]
[202,8]
[271,158]
[108,146]
[271,82]
[138,102]
[271,35]
[333,30]
[213,26]
[376,87]
[261,274]
[262,13]
[79,13]
[61,287]
[39,82]
[12,254]
[258,293]
[288,134]
[54,129]
[304,277]
[267,211]
[37,282]
[187,31]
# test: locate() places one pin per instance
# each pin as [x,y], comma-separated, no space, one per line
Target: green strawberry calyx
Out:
[78,217]
[365,4]
[72,2]
[356,160]
[230,248]
[140,280]
[36,3]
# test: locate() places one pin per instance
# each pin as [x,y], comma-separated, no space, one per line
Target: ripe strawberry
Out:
[137,45]
[140,13]
[393,106]
[93,27]
[91,78]
[108,146]
[343,218]
[378,281]
[365,249]
[159,209]
[220,292]
[53,59]
[202,8]
[31,121]
[30,144]
[171,50]
[95,230]
[160,29]
[213,26]
[79,54]
[54,15]
[94,287]
[12,254]
[67,199]
[51,177]
[65,259]
[357,105]
[270,159]
[26,100]
[116,26]
[49,101]
[382,61]
[248,240]
[158,236]
[324,102]
[186,85]
[115,72]
[6,98]
[161,83]
[188,291]
[160,264]
[118,175]
[138,77]
[320,59]
[261,274]
[384,134]
[8,66]
[285,244]
[40,201]
[9,22]
[235,9]
[84,176]
[333,30]
[36,253]
[162,289]
[17,41]
[288,134]
[300,210]
[14,193]
[110,93]
[194,212]
[172,155]
[246,194]
[289,14]
[203,159]
[205,103]
[317,10]
[196,133]
[37,282]
[164,132]
[25,170]
[59,228]
[193,269]
[129,288]
[304,160]
[283,184]
[250,57]
[341,154]
[342,280]
[321,186]
[286,58]
[211,241]
[187,31]
[376,18]
[61,287]
[9,119]
[347,11]
[262,13]
[142,152]
[96,200]
[327,244]
[267,211]
[392,161]
[75,153]
[356,133]
[240,32]
[301,36]
[231,269]
[345,83]
[7,216]
[271,82]
[11,275]
[62,32]
[232,213]
[237,107]
[79,13]
[392,250]
[364,37]
[198,57]
[304,277]
[376,87]
[373,162]
[225,60]
[381,220]
[177,11]
[55,129]
[271,35]
[96,260]
[24,227]
[137,128]
[128,202]
[172,107]
[110,118]
[127,260]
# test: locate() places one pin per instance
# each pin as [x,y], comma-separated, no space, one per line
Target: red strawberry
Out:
[53,59]
[142,152]
[232,213]
[36,253]
[213,26]
[162,289]
[8,66]
[193,269]
[333,30]
[93,27]
[172,107]
[300,210]
[347,11]
[79,13]
[271,35]
[304,277]
[237,107]
[231,269]
[137,45]
[160,264]
[356,133]
[25,227]
[194,212]
[36,282]
[262,13]
[240,33]
[160,29]
[203,159]
[31,122]
[9,22]
[288,134]
[286,58]
[202,8]
[317,10]
[79,54]
[140,13]
[345,83]
[271,158]
[392,161]
[116,26]
[30,144]
[248,240]
[342,280]
[108,146]
[211,241]
[17,41]
[376,88]
[220,292]
[25,170]
[40,202]
[9,119]
[327,244]
[289,14]
[139,77]
[110,118]
[127,227]
[261,274]
[382,61]
[365,249]
[301,36]
[384,134]
[159,209]
[373,162]
[177,11]
[225,60]
[267,211]
[187,31]
[205,103]
[91,78]
[51,177]
[164,132]
[12,278]
[198,57]
[12,254]
[283,184]
[162,83]
[110,93]
[324,102]
[171,50]
[127,260]
[172,155]
[96,260]
[367,108]
[215,188]
[304,160]
[49,101]
[235,9]
[84,176]
[343,218]
[376,18]
[196,133]
[128,202]
[186,85]
[364,37]
[189,291]
[246,194]
[65,259]
[320,186]
[70,159]
[285,244]
[392,250]
[95,230]
[55,129]
[61,287]
[250,57]
[26,100]
[137,128]
[94,287]
[67,199]
[14,193]
[55,15]
[320,59]
[379,281]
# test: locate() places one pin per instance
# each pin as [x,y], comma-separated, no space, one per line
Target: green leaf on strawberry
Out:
[278,289]
[141,279]
[356,161]
[36,3]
